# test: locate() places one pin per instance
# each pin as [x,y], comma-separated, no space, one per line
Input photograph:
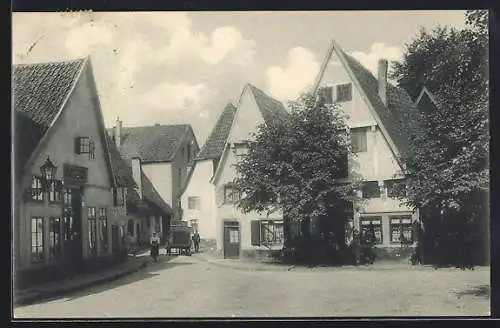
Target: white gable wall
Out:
[378,163]
[199,185]
[247,118]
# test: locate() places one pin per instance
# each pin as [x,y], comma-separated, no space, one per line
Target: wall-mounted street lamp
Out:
[48,170]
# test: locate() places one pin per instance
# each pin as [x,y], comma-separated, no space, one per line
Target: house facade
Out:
[64,215]
[236,234]
[375,115]
[161,158]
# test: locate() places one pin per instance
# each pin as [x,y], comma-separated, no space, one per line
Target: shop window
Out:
[401,229]
[92,220]
[55,238]
[37,239]
[373,224]
[103,229]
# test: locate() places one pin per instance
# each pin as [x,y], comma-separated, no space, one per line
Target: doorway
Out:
[231,239]
[72,225]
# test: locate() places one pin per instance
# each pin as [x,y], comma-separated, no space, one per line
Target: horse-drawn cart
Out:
[180,238]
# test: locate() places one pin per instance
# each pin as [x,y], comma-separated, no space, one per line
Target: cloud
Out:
[178,96]
[377,51]
[81,39]
[286,83]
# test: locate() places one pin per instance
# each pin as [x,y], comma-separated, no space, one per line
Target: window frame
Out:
[92,230]
[36,187]
[263,231]
[366,183]
[359,139]
[401,225]
[55,238]
[197,203]
[55,192]
[389,186]
[103,229]
[338,88]
[370,219]
[231,198]
[40,244]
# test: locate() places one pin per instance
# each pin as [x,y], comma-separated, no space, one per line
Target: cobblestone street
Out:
[190,287]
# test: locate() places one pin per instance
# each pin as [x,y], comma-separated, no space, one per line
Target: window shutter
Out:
[77,145]
[255,232]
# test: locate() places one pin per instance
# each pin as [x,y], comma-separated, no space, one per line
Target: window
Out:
[130,227]
[103,229]
[67,215]
[344,92]
[401,226]
[85,145]
[54,238]
[371,189]
[188,151]
[36,190]
[272,232]
[55,191]
[92,230]
[231,195]
[193,203]
[394,187]
[372,222]
[326,95]
[264,232]
[358,140]
[121,196]
[37,238]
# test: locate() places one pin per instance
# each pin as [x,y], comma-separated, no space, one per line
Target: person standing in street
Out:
[155,246]
[196,242]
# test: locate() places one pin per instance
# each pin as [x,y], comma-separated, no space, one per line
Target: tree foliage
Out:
[448,155]
[296,166]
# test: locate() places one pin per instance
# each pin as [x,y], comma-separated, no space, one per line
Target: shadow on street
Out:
[479,291]
[148,271]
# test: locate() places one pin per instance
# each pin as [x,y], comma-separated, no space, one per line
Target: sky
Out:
[184,67]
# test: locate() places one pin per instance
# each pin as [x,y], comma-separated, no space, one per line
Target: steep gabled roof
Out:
[152,143]
[271,109]
[393,118]
[214,145]
[39,92]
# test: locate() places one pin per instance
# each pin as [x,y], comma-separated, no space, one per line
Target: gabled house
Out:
[161,157]
[63,178]
[377,116]
[210,197]
[139,204]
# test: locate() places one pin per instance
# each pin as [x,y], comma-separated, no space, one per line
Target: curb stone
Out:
[38,296]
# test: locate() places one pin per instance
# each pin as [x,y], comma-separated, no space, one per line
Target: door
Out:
[115,239]
[231,240]
[72,225]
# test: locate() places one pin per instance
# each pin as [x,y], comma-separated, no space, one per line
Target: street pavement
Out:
[194,287]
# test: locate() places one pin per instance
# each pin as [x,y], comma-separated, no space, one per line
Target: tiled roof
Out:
[214,145]
[395,116]
[121,170]
[271,109]
[39,91]
[151,143]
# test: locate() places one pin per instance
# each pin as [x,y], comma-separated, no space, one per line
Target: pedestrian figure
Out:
[196,241]
[155,245]
[356,246]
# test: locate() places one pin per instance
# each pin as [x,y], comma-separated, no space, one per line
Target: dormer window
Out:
[85,145]
[343,92]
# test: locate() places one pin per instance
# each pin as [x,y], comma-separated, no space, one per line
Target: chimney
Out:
[118,133]
[137,174]
[382,80]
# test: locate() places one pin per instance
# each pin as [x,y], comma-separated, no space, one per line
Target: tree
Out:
[297,166]
[447,160]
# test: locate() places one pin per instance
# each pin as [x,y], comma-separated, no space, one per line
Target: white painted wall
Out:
[199,185]
[160,175]
[246,121]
